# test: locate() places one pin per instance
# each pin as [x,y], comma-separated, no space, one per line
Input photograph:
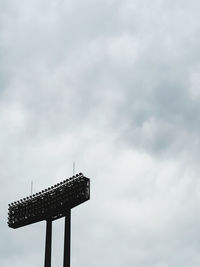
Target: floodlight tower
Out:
[51,204]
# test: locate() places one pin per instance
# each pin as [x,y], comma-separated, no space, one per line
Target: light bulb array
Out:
[51,203]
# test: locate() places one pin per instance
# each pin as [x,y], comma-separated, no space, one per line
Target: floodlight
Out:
[51,204]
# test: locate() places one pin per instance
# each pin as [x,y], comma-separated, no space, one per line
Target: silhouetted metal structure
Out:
[51,204]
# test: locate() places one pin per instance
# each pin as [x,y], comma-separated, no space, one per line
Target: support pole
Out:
[47,262]
[67,237]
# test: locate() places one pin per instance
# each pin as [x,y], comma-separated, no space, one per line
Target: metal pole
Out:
[67,237]
[47,262]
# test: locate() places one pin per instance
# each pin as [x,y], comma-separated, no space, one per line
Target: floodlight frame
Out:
[49,204]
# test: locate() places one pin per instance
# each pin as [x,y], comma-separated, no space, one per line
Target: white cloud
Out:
[112,85]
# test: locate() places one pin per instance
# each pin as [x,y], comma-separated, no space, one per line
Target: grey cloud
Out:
[107,83]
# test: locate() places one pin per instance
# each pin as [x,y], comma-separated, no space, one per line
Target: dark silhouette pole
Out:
[47,262]
[67,237]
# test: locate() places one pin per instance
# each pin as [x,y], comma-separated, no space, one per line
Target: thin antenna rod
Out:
[74,168]
[31,187]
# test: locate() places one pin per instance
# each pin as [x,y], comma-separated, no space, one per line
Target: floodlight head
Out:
[51,203]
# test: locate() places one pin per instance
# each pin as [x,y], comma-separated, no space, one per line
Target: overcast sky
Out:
[115,86]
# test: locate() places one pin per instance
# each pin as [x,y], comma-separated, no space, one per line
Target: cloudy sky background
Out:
[115,86]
